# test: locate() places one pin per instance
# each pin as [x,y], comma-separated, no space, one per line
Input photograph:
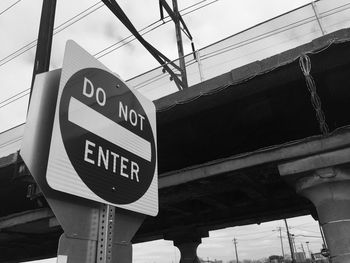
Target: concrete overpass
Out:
[223,145]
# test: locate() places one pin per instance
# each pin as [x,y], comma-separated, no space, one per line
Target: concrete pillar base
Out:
[188,251]
[329,190]
[187,241]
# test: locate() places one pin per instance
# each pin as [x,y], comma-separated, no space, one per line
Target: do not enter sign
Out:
[106,147]
[107,136]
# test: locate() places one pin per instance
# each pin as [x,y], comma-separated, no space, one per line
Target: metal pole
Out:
[179,44]
[198,58]
[302,248]
[290,242]
[293,241]
[308,248]
[317,17]
[280,230]
[322,235]
[235,243]
[43,48]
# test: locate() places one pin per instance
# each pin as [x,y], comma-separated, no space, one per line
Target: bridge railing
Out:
[274,36]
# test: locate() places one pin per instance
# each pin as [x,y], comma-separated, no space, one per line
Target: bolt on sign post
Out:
[97,139]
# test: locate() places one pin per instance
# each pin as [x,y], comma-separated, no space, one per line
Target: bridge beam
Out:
[187,241]
[325,180]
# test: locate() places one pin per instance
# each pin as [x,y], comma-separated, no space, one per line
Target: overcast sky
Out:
[222,18]
[100,29]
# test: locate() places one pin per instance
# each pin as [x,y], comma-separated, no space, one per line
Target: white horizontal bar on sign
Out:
[98,124]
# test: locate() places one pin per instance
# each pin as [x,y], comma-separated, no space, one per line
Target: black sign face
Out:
[107,136]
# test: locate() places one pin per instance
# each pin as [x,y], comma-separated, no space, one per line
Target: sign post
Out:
[90,144]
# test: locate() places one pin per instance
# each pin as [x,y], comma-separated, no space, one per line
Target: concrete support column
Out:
[329,190]
[187,241]
[324,178]
[188,250]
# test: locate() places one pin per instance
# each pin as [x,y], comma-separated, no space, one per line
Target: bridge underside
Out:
[219,146]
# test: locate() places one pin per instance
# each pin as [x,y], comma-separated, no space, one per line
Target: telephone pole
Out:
[293,241]
[43,47]
[290,242]
[308,248]
[235,243]
[279,229]
[302,248]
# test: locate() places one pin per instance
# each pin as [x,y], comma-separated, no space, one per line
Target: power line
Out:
[57,30]
[160,76]
[8,8]
[13,96]
[77,15]
[259,37]
[17,98]
[150,25]
[304,229]
[257,238]
[86,12]
[125,43]
[300,235]
[33,43]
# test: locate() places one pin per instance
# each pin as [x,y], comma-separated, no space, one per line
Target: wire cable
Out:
[12,101]
[8,8]
[164,21]
[61,27]
[57,30]
[2,102]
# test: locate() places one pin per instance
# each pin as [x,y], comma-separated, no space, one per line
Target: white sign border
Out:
[60,174]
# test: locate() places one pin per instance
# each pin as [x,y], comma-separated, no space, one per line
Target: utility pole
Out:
[290,242]
[302,248]
[308,248]
[43,48]
[235,243]
[293,241]
[280,230]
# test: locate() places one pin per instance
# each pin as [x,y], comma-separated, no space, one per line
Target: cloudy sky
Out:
[99,30]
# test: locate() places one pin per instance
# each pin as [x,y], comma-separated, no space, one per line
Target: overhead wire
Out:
[242,43]
[9,7]
[26,90]
[57,30]
[167,18]
[188,63]
[3,104]
[33,43]
[307,236]
[264,35]
[306,230]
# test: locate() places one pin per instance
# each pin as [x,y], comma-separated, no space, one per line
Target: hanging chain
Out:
[305,65]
